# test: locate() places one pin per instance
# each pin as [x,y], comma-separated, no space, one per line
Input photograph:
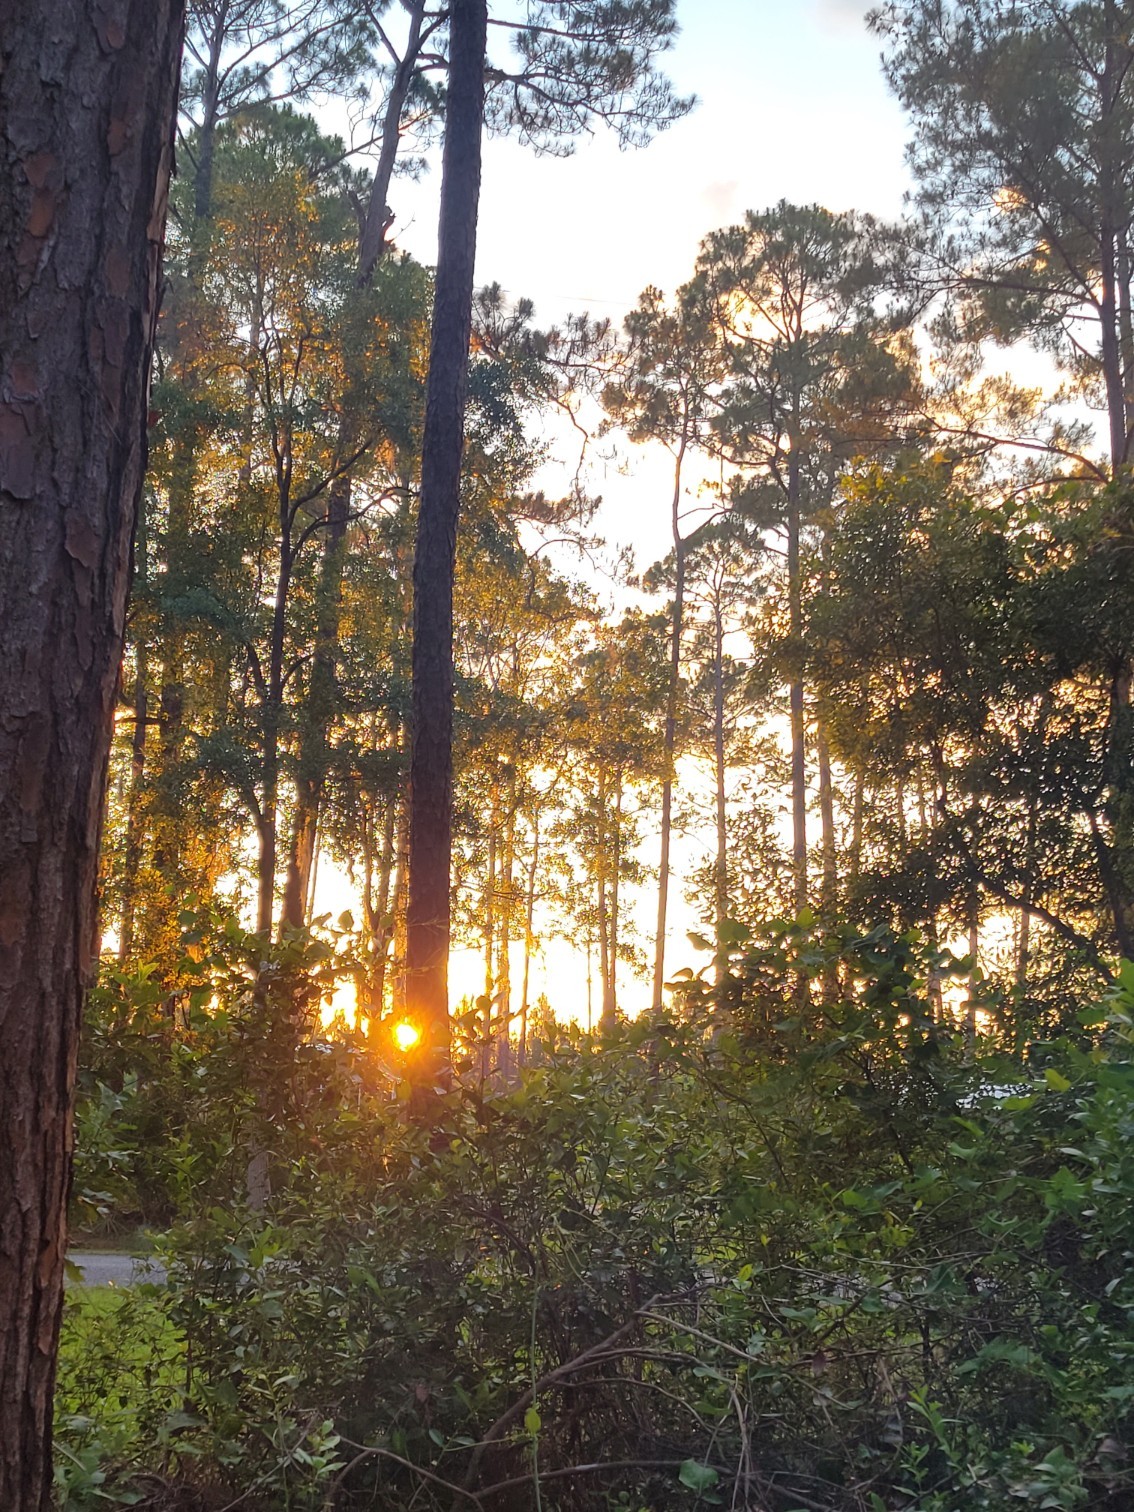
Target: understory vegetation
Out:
[813,1247]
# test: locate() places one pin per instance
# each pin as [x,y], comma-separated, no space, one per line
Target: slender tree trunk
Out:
[319,710]
[378,219]
[1023,950]
[504,972]
[590,984]
[322,696]
[974,973]
[1126,330]
[167,808]
[934,987]
[300,859]
[607,1012]
[399,905]
[210,115]
[321,702]
[827,813]
[135,821]
[720,766]
[431,766]
[795,690]
[1111,358]
[1117,399]
[610,999]
[87,96]
[313,884]
[900,815]
[1024,939]
[488,913]
[364,972]
[673,693]
[829,902]
[379,921]
[167,816]
[605,845]
[270,715]
[858,812]
[529,936]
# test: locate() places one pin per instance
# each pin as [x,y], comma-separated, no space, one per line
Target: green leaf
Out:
[1056,1080]
[697,1477]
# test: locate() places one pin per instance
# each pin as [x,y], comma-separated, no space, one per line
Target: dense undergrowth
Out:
[792,1246]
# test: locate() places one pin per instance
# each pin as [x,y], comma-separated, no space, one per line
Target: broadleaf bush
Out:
[800,1242]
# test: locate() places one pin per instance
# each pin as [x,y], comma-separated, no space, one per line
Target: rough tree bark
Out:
[87,93]
[431,761]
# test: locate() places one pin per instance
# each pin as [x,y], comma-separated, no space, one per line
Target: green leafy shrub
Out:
[785,1248]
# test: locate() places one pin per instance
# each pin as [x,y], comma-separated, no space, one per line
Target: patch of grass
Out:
[121,1375]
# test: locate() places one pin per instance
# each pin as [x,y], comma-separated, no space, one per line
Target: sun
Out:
[405,1035]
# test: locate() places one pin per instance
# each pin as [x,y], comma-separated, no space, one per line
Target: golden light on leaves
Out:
[406,1036]
[1007,199]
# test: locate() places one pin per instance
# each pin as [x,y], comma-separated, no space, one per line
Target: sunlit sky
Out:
[791,105]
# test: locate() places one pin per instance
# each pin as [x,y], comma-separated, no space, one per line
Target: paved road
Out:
[111,1268]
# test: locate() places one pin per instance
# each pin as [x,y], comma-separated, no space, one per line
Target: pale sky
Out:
[791,105]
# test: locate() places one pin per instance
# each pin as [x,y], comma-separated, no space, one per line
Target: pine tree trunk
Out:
[322,696]
[313,746]
[795,691]
[160,932]
[829,903]
[1115,63]
[379,918]
[902,819]
[271,713]
[372,242]
[670,738]
[488,917]
[607,1012]
[590,984]
[974,974]
[827,815]
[721,909]
[132,850]
[1126,330]
[431,764]
[529,938]
[720,868]
[210,114]
[86,111]
[610,995]
[858,815]
[398,906]
[1024,940]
